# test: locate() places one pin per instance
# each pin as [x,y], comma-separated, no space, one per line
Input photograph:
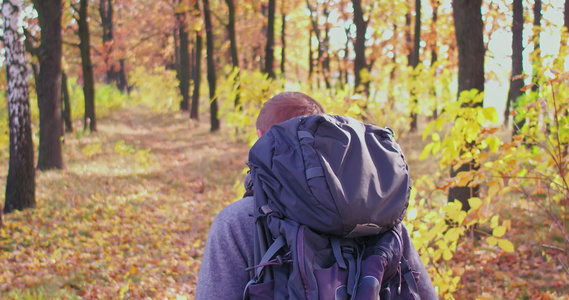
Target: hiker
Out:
[230,245]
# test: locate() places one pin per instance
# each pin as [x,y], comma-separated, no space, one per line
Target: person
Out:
[229,248]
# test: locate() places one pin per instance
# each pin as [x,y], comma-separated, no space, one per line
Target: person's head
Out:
[286,106]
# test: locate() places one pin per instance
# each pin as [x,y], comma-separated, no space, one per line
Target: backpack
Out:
[330,193]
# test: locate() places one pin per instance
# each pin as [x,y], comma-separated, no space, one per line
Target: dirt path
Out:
[129,215]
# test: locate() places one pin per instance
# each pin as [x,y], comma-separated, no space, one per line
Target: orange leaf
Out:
[520,76]
[527,87]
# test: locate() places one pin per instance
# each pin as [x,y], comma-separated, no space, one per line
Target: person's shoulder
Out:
[238,210]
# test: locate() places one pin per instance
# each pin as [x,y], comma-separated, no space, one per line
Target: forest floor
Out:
[129,216]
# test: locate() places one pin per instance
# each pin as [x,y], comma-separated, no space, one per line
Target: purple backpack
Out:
[330,193]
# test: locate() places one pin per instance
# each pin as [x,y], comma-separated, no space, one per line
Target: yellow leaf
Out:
[428,129]
[426,151]
[452,234]
[499,231]
[506,245]
[447,254]
[436,137]
[474,203]
[490,114]
[491,240]
[494,222]
[493,189]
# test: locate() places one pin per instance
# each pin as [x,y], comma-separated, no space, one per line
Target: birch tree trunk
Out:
[20,185]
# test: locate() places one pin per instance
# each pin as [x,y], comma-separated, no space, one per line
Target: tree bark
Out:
[90,119]
[470,44]
[360,62]
[536,39]
[233,47]
[270,46]
[106,13]
[283,44]
[211,77]
[434,56]
[515,92]
[65,105]
[196,73]
[49,84]
[415,62]
[566,16]
[310,56]
[20,184]
[184,60]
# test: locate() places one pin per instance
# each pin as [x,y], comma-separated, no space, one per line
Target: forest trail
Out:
[129,215]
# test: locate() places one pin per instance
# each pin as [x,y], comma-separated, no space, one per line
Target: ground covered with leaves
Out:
[128,219]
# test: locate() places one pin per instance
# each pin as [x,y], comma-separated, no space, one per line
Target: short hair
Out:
[285,106]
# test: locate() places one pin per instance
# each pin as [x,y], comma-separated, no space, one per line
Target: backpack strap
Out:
[409,278]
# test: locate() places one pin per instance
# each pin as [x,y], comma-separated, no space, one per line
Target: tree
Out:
[49,84]
[414,61]
[211,77]
[20,184]
[516,85]
[536,39]
[106,14]
[183,67]
[470,44]
[434,56]
[65,105]
[360,63]
[233,44]
[89,119]
[196,72]
[270,46]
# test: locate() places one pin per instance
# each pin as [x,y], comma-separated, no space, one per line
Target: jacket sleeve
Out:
[228,252]
[424,284]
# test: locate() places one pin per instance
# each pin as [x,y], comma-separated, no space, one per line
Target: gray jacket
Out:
[229,251]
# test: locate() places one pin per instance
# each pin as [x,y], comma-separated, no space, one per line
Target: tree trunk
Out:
[90,120]
[106,13]
[566,16]
[184,59]
[49,84]
[470,44]
[196,73]
[211,78]
[434,57]
[122,84]
[415,62]
[233,46]
[20,184]
[283,44]
[310,57]
[536,39]
[360,62]
[270,46]
[515,92]
[325,50]
[65,105]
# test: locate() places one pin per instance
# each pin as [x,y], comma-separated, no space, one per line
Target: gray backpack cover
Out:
[330,192]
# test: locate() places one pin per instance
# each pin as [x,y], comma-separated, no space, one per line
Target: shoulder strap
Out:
[408,275]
